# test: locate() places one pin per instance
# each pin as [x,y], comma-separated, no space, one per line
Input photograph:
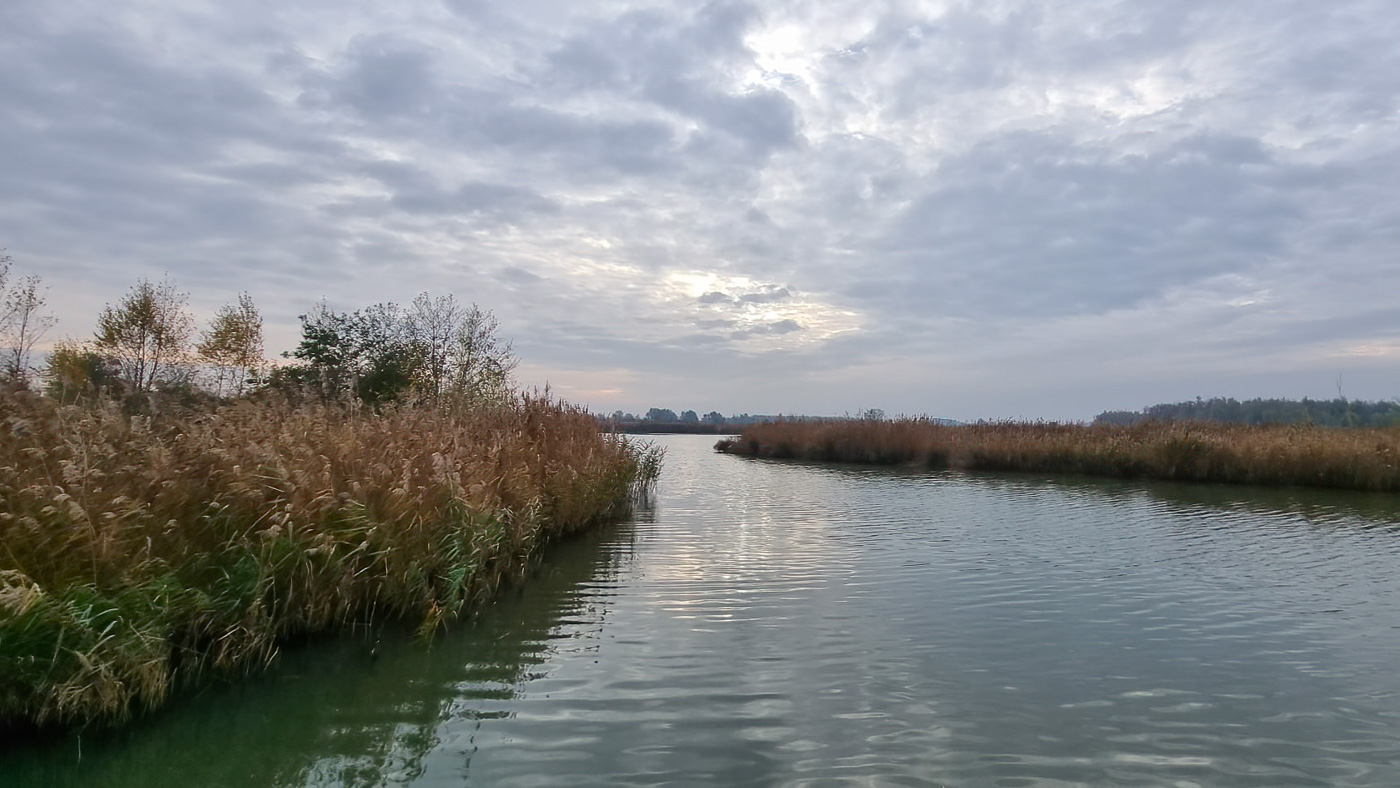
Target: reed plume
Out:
[139,554]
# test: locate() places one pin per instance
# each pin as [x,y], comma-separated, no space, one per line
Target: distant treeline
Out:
[665,420]
[666,416]
[1340,412]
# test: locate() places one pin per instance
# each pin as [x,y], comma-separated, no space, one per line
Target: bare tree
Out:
[460,348]
[432,326]
[147,333]
[23,323]
[481,362]
[233,344]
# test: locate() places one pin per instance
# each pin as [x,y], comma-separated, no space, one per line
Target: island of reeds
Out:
[1297,454]
[173,514]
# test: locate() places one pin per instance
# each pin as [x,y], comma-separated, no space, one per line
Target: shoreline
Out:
[1362,459]
[143,556]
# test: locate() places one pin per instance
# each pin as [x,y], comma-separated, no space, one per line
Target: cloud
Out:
[982,210]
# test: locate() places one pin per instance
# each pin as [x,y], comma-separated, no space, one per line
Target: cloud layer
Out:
[967,209]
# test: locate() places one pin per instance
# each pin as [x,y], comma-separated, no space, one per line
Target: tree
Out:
[325,347]
[690,417]
[482,362]
[713,417]
[433,325]
[662,415]
[75,371]
[233,344]
[365,352]
[443,350]
[146,334]
[22,324]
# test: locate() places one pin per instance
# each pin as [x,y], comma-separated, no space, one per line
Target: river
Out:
[784,624]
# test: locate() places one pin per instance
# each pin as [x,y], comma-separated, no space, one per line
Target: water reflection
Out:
[785,624]
[366,708]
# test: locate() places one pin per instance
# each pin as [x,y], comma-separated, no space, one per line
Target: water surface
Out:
[791,624]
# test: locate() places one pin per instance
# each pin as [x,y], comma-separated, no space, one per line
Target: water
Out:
[805,625]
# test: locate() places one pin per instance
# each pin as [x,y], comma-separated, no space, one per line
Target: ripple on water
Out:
[773,624]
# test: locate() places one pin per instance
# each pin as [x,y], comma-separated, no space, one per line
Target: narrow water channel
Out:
[777,624]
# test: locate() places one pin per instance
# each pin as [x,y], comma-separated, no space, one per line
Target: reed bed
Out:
[140,554]
[1353,459]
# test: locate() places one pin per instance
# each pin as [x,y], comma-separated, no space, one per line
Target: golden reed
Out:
[139,554]
[1354,459]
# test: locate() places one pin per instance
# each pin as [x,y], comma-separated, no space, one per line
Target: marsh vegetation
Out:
[156,531]
[1306,455]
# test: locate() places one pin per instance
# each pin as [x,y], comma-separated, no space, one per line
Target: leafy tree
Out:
[75,371]
[690,417]
[662,415]
[146,334]
[363,352]
[385,361]
[22,324]
[713,417]
[1339,412]
[233,344]
[439,348]
[326,348]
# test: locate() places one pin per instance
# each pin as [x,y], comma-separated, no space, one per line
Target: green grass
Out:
[140,555]
[1353,459]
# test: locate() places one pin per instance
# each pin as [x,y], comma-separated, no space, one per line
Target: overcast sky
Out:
[966,209]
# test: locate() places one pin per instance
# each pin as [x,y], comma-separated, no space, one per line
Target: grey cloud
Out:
[561,158]
[671,60]
[713,324]
[1028,224]
[489,199]
[519,275]
[383,76]
[766,297]
[776,328]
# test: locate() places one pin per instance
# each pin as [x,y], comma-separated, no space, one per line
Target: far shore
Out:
[1275,455]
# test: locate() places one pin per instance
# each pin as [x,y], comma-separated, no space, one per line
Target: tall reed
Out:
[139,554]
[1357,459]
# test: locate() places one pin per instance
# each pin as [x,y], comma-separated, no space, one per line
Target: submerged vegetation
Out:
[156,532]
[1356,459]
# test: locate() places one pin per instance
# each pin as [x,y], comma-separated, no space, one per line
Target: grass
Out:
[1353,459]
[139,555]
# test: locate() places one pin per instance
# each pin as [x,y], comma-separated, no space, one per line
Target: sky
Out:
[985,209]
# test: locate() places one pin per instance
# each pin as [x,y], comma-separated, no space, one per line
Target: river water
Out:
[784,624]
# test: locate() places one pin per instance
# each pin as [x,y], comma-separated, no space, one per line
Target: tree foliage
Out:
[23,323]
[232,345]
[437,349]
[76,371]
[1340,412]
[146,334]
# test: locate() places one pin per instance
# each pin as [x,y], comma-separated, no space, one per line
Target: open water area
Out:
[787,624]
